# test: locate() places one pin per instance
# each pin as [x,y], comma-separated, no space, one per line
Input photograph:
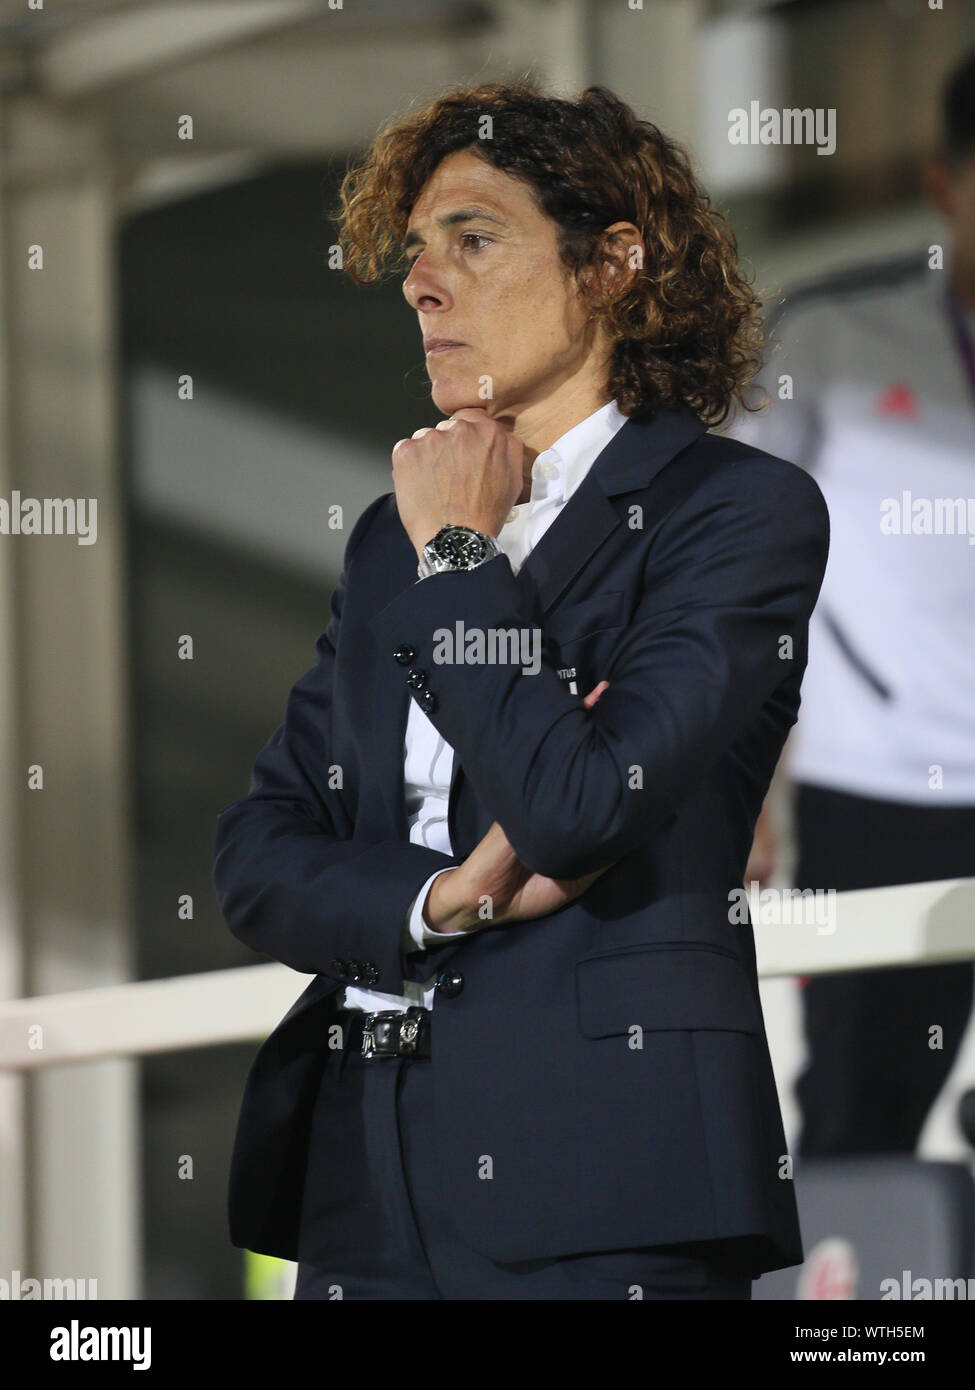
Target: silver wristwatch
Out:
[456,548]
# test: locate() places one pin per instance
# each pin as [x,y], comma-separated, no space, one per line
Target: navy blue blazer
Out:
[611,1058]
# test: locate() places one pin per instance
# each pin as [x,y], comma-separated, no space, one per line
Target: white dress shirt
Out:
[428,759]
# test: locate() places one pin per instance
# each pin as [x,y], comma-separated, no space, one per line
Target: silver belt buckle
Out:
[368,1039]
[409,1033]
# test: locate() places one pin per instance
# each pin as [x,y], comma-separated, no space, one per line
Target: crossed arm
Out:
[737,567]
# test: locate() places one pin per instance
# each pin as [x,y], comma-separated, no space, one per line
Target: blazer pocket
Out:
[668,986]
[572,621]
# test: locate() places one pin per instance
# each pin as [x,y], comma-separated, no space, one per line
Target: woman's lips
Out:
[444,347]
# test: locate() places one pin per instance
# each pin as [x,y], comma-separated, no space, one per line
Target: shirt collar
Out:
[574,452]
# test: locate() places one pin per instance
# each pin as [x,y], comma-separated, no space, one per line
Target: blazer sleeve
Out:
[291,882]
[730,580]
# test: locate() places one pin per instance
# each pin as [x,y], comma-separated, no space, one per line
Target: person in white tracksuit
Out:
[872,390]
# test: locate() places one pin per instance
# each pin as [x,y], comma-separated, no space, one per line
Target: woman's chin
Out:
[450,396]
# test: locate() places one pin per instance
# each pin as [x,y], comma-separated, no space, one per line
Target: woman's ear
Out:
[622,256]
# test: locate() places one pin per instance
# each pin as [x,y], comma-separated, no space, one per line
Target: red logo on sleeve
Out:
[898,399]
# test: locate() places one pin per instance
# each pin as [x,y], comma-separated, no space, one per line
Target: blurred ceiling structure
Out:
[266,80]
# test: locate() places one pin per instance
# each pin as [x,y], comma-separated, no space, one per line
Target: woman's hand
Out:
[763,857]
[493,879]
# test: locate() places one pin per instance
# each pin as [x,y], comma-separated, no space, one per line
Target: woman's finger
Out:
[595,693]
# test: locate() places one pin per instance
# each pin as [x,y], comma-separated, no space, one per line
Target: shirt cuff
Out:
[419,933]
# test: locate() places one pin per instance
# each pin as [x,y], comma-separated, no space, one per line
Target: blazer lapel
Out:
[629,462]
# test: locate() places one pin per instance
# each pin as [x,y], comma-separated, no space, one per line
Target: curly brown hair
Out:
[686,328]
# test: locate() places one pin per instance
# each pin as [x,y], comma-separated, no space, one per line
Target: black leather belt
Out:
[392,1033]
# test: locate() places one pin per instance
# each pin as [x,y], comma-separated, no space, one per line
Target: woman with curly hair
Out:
[506,819]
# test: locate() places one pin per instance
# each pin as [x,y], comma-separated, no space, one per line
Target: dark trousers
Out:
[399,1243]
[872,1075]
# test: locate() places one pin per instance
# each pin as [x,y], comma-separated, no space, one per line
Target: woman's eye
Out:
[478,236]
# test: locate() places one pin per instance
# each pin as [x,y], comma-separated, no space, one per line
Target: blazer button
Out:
[370,973]
[427,702]
[450,983]
[404,654]
[341,967]
[417,679]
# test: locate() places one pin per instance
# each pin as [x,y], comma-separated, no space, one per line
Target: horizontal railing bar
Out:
[869,928]
[907,924]
[146,1016]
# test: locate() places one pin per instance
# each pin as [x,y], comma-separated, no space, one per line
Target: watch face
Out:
[460,546]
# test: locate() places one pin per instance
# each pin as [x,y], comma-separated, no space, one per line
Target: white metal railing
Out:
[908,924]
[109,1026]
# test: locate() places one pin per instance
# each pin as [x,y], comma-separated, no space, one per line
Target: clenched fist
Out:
[466,471]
